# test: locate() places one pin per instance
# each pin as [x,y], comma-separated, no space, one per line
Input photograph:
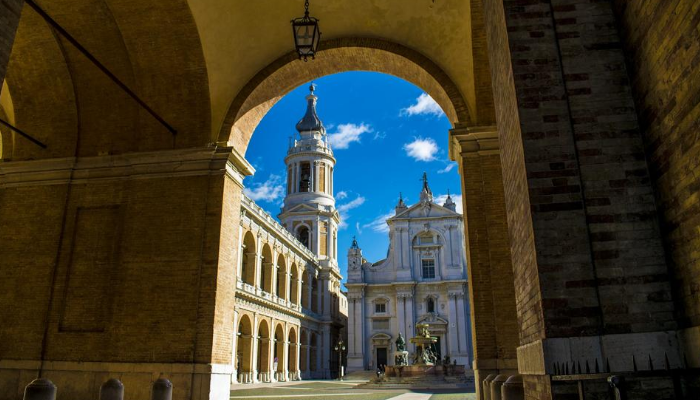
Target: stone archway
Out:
[264,347]
[304,353]
[280,353]
[249,263]
[258,96]
[244,351]
[293,354]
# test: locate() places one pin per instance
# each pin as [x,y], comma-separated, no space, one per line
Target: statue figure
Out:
[400,343]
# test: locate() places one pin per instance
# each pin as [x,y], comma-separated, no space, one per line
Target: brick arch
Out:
[337,55]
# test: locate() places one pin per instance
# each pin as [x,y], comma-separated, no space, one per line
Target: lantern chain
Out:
[306,8]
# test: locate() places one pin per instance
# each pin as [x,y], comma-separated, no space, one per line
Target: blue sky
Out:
[384,133]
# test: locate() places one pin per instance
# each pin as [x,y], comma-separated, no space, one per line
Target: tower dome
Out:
[310,122]
[309,211]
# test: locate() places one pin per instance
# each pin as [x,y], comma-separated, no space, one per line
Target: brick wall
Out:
[663,47]
[600,263]
[166,295]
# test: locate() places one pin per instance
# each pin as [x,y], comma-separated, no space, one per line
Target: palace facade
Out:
[422,280]
[289,309]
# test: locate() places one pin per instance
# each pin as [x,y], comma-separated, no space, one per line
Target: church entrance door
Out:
[437,348]
[381,356]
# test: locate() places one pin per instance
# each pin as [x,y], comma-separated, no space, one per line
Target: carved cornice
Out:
[142,165]
[473,142]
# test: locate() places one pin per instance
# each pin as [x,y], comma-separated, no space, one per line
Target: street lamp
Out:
[307,34]
[340,348]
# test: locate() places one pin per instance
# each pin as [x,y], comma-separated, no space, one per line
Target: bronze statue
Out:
[400,343]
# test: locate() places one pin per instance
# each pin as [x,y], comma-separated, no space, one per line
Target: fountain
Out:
[425,370]
[424,354]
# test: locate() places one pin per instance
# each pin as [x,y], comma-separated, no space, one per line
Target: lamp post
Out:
[307,34]
[340,348]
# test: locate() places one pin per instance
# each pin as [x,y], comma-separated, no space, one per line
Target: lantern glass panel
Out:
[305,35]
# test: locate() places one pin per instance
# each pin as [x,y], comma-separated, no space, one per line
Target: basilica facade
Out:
[423,280]
[289,309]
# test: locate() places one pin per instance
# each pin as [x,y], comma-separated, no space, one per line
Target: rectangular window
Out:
[322,178]
[428,269]
[380,308]
[380,324]
[324,238]
[426,240]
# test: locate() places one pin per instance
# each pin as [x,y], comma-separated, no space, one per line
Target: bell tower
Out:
[309,211]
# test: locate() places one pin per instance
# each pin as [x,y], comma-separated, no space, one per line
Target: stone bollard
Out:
[496,384]
[486,387]
[112,390]
[162,390]
[40,389]
[512,389]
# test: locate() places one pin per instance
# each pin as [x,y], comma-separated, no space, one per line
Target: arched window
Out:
[303,236]
[430,305]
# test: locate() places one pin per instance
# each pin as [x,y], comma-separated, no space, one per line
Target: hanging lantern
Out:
[307,34]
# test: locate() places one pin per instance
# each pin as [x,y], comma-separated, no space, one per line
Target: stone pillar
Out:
[299,286]
[410,320]
[273,282]
[258,268]
[401,314]
[254,343]
[234,349]
[309,290]
[462,336]
[494,320]
[241,250]
[285,356]
[455,328]
[307,349]
[288,285]
[297,369]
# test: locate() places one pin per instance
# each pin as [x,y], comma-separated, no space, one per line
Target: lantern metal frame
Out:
[310,26]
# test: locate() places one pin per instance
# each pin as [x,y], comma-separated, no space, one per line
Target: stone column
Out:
[234,348]
[310,289]
[401,313]
[327,346]
[297,373]
[410,319]
[455,328]
[254,343]
[307,349]
[241,250]
[299,285]
[494,320]
[285,355]
[288,285]
[258,268]
[273,279]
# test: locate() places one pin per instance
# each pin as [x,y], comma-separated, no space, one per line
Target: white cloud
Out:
[448,168]
[425,105]
[271,190]
[346,134]
[457,198]
[379,224]
[341,195]
[358,228]
[344,208]
[421,149]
